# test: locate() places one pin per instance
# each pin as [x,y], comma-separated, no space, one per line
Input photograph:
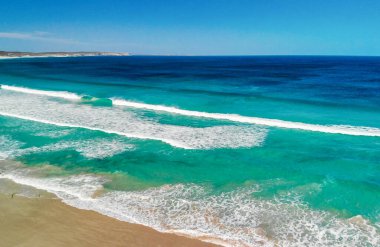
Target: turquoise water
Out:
[225,167]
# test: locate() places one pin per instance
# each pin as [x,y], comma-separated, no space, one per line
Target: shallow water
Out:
[251,150]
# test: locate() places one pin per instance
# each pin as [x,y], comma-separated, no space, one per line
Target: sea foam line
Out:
[58,94]
[332,129]
[129,135]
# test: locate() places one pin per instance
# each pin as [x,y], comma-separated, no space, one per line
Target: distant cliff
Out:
[11,54]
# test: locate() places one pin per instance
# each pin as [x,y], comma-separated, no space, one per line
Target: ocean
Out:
[241,151]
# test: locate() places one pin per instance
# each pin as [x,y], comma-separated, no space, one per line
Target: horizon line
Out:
[200,55]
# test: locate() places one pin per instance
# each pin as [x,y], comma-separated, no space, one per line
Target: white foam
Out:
[173,143]
[53,133]
[333,129]
[58,94]
[37,129]
[234,218]
[125,123]
[8,147]
[97,148]
[80,187]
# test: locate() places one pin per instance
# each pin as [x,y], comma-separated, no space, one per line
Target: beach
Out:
[45,221]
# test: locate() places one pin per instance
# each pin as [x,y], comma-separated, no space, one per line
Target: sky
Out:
[193,27]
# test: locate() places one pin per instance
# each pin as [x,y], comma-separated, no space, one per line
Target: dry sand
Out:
[47,221]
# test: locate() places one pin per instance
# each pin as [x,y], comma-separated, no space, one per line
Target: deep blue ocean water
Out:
[254,151]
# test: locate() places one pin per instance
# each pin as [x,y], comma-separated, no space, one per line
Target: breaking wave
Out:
[333,129]
[126,123]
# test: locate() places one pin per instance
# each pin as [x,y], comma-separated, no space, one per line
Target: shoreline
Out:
[45,220]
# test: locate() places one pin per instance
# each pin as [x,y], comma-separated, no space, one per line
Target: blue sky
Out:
[193,27]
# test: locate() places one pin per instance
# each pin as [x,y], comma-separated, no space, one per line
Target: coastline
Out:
[46,221]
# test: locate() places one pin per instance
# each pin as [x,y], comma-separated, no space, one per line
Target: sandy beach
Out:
[46,221]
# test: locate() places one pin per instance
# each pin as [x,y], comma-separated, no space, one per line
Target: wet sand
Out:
[46,221]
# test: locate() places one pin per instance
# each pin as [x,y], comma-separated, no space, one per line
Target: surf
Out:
[58,94]
[330,129]
[171,142]
[115,120]
[233,218]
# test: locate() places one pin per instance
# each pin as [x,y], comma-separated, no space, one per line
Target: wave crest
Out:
[126,123]
[333,129]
